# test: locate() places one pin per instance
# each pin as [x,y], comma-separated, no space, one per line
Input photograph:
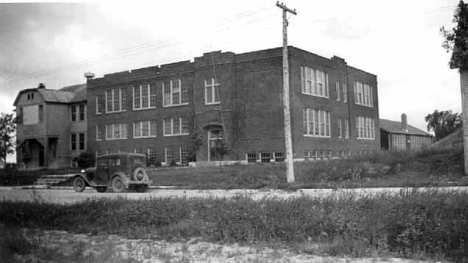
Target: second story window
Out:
[174,93]
[314,82]
[345,93]
[116,100]
[41,113]
[144,129]
[177,126]
[78,113]
[144,97]
[316,123]
[98,133]
[211,92]
[116,131]
[338,91]
[365,128]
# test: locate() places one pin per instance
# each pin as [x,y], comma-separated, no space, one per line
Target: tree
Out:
[456,40]
[443,123]
[7,130]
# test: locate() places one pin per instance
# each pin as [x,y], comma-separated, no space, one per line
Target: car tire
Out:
[101,189]
[139,174]
[79,184]
[141,188]
[118,185]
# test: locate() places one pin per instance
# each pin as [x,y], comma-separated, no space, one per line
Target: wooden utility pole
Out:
[286,109]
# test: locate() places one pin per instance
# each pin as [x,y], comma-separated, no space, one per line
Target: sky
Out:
[399,41]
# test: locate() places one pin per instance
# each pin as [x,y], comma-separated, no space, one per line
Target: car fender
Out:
[88,183]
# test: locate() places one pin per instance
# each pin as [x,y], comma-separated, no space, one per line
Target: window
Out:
[211,92]
[316,123]
[177,126]
[144,129]
[184,155]
[174,93]
[279,157]
[340,129]
[116,131]
[265,157]
[82,114]
[98,133]
[30,96]
[41,113]
[144,97]
[314,82]
[73,142]
[365,128]
[345,93]
[338,92]
[251,157]
[78,141]
[346,129]
[116,100]
[169,155]
[151,156]
[73,113]
[99,103]
[363,94]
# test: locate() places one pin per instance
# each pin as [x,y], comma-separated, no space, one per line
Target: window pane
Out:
[137,97]
[175,92]
[144,96]
[136,129]
[167,127]
[166,94]
[176,126]
[152,95]
[153,128]
[144,128]
[185,126]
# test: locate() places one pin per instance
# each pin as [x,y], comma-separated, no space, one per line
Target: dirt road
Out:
[64,196]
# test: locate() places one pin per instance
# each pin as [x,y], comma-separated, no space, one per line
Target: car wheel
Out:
[101,189]
[79,184]
[141,188]
[118,184]
[139,174]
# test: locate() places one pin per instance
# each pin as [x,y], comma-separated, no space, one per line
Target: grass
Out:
[429,167]
[432,224]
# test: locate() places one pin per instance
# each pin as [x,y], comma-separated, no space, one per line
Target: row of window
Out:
[143,129]
[316,123]
[315,82]
[329,154]
[78,141]
[265,157]
[78,112]
[144,96]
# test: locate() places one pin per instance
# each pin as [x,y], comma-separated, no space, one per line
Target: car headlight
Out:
[83,171]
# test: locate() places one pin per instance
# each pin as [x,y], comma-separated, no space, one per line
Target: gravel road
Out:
[64,196]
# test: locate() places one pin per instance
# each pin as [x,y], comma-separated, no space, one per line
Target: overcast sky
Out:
[399,41]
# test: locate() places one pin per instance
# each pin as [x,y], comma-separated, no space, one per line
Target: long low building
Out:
[220,106]
[402,136]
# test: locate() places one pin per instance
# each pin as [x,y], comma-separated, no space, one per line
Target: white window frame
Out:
[113,100]
[214,86]
[148,97]
[340,129]
[251,154]
[311,79]
[99,130]
[316,123]
[150,135]
[365,127]
[122,127]
[98,102]
[363,94]
[345,93]
[338,92]
[169,102]
[181,121]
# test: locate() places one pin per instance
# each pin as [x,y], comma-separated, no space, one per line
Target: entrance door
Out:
[215,139]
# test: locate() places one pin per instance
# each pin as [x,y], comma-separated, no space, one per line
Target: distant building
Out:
[402,136]
[52,126]
[179,111]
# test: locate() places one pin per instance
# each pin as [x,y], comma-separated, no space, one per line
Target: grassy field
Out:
[430,225]
[430,167]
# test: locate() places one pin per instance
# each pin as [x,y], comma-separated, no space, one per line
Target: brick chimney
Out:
[41,86]
[404,122]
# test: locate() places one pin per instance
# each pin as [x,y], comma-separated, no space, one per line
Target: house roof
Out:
[395,127]
[69,94]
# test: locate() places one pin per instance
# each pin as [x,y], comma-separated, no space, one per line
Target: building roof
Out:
[395,127]
[69,94]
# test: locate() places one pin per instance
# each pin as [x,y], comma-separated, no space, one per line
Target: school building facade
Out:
[226,106]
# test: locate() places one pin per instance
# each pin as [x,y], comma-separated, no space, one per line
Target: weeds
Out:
[412,223]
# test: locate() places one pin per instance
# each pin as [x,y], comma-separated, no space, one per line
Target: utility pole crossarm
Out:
[285,8]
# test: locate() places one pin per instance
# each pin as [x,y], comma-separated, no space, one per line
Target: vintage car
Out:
[117,170]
